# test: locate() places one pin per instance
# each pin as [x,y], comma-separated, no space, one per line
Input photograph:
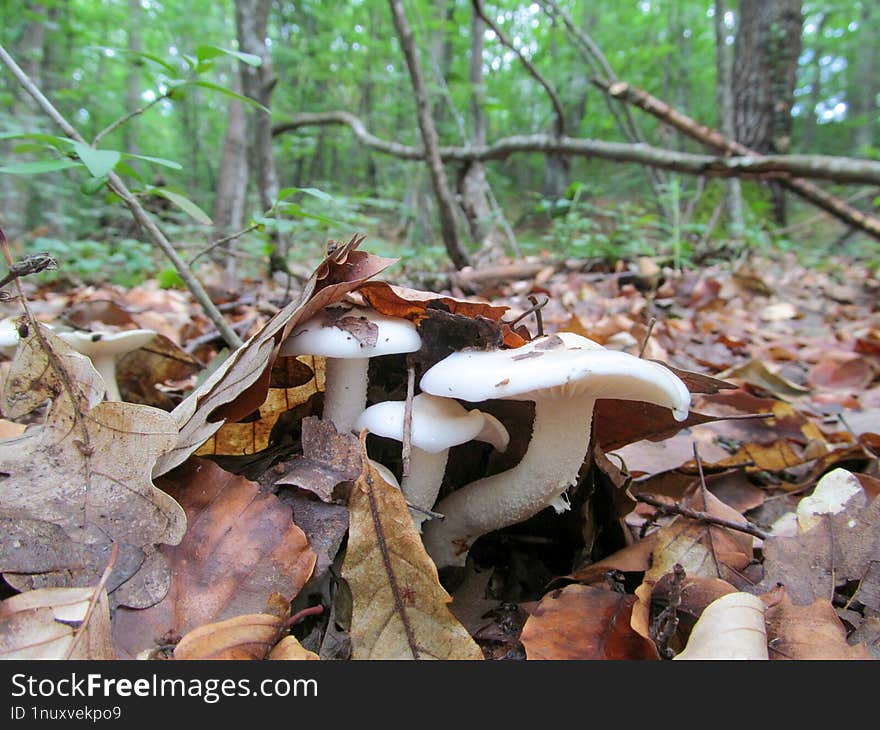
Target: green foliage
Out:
[125,262]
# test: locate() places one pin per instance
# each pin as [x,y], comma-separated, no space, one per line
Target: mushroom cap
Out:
[437,423]
[107,344]
[563,365]
[8,336]
[354,333]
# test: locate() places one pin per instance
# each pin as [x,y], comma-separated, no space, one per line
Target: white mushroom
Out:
[564,375]
[437,425]
[102,348]
[8,338]
[348,339]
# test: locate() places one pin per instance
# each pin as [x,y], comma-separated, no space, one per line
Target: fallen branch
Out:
[784,168]
[781,167]
[676,509]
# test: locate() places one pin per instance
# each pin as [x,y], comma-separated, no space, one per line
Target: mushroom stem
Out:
[106,368]
[421,485]
[345,391]
[560,437]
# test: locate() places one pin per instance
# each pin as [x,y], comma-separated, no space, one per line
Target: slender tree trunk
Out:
[133,81]
[768,43]
[445,204]
[733,201]
[863,100]
[252,21]
[232,182]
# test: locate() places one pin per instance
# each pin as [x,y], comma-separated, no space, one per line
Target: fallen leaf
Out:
[289,649]
[812,631]
[583,622]
[45,623]
[400,610]
[240,548]
[831,495]
[81,481]
[731,627]
[240,385]
[398,301]
[756,373]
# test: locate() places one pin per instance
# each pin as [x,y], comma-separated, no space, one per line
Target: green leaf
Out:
[185,204]
[140,54]
[99,162]
[156,161]
[314,192]
[169,279]
[92,185]
[206,52]
[39,166]
[227,92]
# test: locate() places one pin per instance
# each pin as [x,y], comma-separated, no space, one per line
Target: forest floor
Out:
[666,521]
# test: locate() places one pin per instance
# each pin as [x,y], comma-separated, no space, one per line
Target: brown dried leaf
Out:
[328,459]
[400,610]
[398,301]
[842,547]
[240,548]
[582,622]
[812,631]
[240,385]
[43,624]
[756,373]
[161,360]
[289,649]
[250,636]
[82,480]
[731,627]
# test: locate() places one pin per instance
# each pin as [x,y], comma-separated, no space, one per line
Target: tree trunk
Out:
[768,44]
[232,182]
[133,81]
[810,121]
[445,204]
[252,20]
[724,60]
[863,99]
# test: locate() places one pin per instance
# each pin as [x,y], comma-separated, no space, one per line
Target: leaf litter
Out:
[782,395]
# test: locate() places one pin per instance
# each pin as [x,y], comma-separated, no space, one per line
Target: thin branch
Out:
[781,167]
[677,509]
[126,118]
[114,182]
[559,126]
[221,241]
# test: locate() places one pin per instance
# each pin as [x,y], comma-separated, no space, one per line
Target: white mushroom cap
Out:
[356,333]
[98,344]
[578,366]
[8,337]
[437,423]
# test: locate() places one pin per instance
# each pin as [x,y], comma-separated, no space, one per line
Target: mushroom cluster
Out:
[563,374]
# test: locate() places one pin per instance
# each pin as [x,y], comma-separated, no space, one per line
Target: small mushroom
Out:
[437,425]
[8,338]
[348,338]
[564,374]
[102,348]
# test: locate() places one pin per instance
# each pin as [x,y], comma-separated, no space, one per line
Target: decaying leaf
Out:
[400,611]
[583,622]
[398,301]
[842,547]
[240,385]
[81,481]
[48,624]
[832,494]
[251,636]
[289,649]
[731,627]
[813,631]
[240,548]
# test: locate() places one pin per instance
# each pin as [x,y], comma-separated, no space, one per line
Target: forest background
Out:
[355,91]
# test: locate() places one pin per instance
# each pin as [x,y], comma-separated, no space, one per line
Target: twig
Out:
[666,624]
[223,240]
[33,264]
[703,492]
[115,183]
[534,309]
[647,336]
[300,615]
[406,447]
[105,576]
[559,126]
[677,509]
[430,513]
[122,120]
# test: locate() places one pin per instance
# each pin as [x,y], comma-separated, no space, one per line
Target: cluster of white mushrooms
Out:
[564,374]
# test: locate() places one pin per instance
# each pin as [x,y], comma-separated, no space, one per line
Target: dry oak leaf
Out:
[289,649]
[81,481]
[400,610]
[731,627]
[240,385]
[48,624]
[398,301]
[584,622]
[813,631]
[251,636]
[703,550]
[241,547]
[842,547]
